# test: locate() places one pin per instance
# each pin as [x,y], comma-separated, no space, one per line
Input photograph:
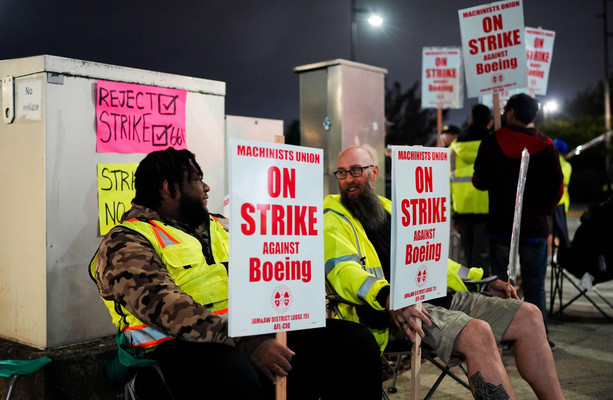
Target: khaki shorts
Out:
[447,324]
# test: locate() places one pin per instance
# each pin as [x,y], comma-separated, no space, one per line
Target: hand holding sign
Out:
[409,320]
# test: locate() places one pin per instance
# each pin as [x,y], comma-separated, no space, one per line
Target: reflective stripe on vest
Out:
[224,224]
[144,336]
[365,287]
[355,234]
[164,239]
[333,262]
[463,272]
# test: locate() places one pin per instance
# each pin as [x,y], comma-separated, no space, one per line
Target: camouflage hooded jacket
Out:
[130,272]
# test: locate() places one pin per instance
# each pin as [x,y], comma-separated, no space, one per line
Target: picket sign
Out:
[420,233]
[276,240]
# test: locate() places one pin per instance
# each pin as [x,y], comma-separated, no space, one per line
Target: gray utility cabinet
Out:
[48,176]
[342,103]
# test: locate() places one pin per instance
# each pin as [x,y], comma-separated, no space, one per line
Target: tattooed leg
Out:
[487,391]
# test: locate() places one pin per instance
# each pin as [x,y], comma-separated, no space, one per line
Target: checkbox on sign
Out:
[167,105]
[160,135]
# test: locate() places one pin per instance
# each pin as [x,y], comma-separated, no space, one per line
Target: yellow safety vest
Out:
[465,198]
[206,284]
[346,244]
[567,170]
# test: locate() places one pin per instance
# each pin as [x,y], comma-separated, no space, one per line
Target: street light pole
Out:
[354,30]
[374,20]
[607,95]
[607,92]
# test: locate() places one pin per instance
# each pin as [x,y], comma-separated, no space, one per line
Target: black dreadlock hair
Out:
[166,165]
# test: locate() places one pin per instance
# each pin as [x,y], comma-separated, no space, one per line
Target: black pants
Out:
[340,361]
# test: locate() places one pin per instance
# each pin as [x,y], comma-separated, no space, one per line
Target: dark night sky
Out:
[253,46]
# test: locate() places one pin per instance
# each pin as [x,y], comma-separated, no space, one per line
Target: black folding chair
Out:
[396,351]
[587,253]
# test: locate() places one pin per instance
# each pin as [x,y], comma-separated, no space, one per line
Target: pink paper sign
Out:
[138,119]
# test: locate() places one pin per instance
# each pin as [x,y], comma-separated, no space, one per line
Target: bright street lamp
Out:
[550,107]
[373,19]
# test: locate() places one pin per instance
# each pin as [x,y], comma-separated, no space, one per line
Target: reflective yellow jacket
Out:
[353,269]
[465,198]
[182,255]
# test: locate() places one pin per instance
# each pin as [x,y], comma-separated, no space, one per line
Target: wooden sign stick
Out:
[416,360]
[439,125]
[281,386]
[496,110]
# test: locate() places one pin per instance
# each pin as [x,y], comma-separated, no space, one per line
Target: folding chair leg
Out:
[128,392]
[555,287]
[393,366]
[602,297]
[435,386]
[446,371]
[11,386]
[583,292]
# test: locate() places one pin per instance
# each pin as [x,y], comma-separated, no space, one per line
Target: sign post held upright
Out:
[420,232]
[440,81]
[420,224]
[493,47]
[539,52]
[276,240]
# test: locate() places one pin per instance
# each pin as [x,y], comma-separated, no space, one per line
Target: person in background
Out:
[357,240]
[559,226]
[567,170]
[449,133]
[163,274]
[497,171]
[469,206]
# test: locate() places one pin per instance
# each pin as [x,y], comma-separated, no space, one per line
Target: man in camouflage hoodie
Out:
[163,275]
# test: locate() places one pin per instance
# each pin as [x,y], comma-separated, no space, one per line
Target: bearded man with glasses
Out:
[357,238]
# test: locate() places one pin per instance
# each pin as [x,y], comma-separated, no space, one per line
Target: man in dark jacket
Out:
[497,171]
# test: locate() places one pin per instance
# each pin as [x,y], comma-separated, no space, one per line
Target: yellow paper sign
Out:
[115,193]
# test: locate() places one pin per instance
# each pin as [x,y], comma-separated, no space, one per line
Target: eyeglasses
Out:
[354,171]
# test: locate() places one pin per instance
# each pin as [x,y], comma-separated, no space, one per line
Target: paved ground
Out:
[583,354]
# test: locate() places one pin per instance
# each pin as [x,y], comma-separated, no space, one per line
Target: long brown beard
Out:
[365,207]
